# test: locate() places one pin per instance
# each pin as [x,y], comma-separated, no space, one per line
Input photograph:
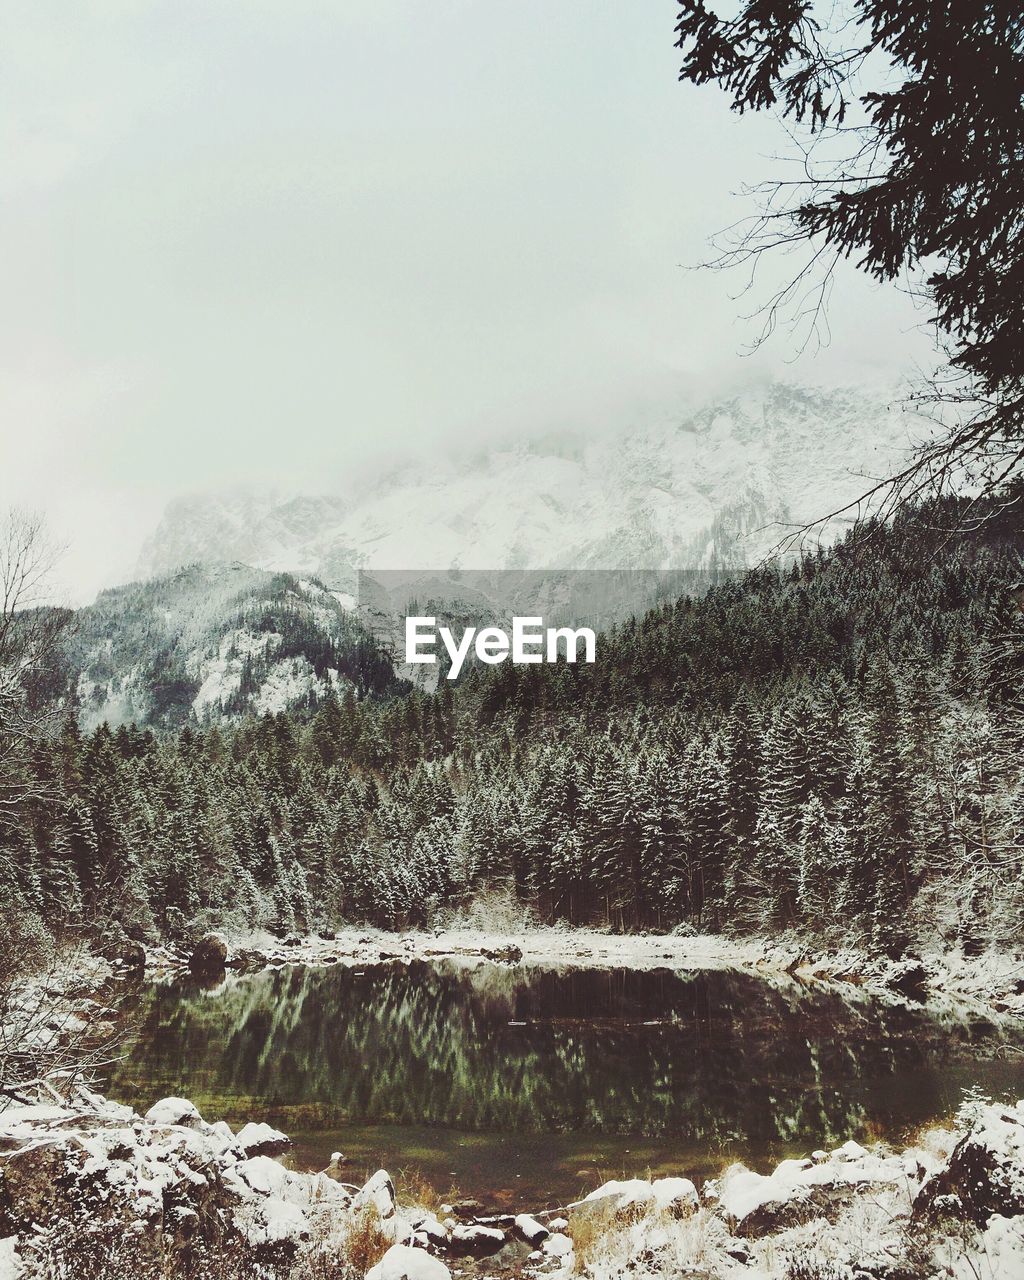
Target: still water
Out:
[522,1086]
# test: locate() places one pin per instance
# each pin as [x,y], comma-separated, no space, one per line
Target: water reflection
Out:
[708,1058]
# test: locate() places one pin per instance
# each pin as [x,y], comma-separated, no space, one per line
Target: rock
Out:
[264,1175]
[247,960]
[677,1195]
[848,1151]
[985,1171]
[558,1224]
[32,1186]
[292,940]
[505,955]
[557,1245]
[404,1263]
[379,1191]
[529,1229]
[467,1207]
[210,954]
[476,1241]
[433,1231]
[261,1140]
[177,1111]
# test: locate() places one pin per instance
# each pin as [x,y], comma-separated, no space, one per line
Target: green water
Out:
[522,1086]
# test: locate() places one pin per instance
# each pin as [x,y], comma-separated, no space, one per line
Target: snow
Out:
[264,1175]
[647,496]
[557,1245]
[174,1111]
[119,1158]
[378,1191]
[252,1136]
[286,683]
[662,1193]
[742,1192]
[10,1263]
[999,1254]
[221,674]
[530,1229]
[404,1263]
[268,1223]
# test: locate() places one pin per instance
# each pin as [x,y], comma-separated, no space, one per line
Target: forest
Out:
[833,747]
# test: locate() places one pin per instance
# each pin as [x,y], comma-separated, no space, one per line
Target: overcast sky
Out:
[266,241]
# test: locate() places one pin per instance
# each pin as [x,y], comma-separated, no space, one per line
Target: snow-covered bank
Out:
[991,983]
[90,1188]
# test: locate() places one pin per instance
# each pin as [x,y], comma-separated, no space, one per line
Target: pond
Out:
[523,1086]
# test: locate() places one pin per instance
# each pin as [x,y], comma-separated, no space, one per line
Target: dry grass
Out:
[363,1242]
[413,1188]
[592,1229]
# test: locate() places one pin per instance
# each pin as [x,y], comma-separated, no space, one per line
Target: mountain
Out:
[254,601]
[719,489]
[218,641]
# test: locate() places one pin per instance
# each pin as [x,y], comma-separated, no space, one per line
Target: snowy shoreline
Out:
[149,1191]
[88,1186]
[991,984]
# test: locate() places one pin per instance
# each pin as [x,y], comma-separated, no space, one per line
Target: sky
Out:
[282,241]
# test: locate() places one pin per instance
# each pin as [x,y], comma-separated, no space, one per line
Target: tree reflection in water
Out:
[707,1055]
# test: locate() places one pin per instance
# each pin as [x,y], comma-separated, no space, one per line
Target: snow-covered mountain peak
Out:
[720,486]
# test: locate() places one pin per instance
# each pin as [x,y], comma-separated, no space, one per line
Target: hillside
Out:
[833,748]
[214,642]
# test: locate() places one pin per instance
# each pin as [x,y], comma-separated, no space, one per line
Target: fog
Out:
[285,242]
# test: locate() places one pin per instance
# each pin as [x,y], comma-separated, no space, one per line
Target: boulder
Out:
[404,1263]
[177,1111]
[261,1140]
[247,960]
[557,1245]
[475,1240]
[677,1195]
[210,954]
[427,1229]
[529,1229]
[379,1191]
[985,1171]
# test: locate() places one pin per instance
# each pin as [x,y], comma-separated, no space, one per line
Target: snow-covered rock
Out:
[182,1186]
[10,1263]
[175,1111]
[676,1194]
[404,1263]
[210,954]
[530,1230]
[472,1238]
[985,1172]
[999,1254]
[557,1245]
[379,1191]
[262,1140]
[755,1204]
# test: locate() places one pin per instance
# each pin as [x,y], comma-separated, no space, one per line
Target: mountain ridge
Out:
[718,488]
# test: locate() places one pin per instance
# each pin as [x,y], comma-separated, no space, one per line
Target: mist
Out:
[289,244]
